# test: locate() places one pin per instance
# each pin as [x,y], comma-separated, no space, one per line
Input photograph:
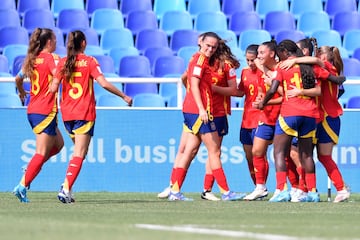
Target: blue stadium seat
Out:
[4,64]
[253,36]
[7,87]
[265,6]
[241,21]
[94,50]
[92,37]
[9,100]
[70,19]
[8,4]
[229,36]
[356,54]
[345,21]
[182,38]
[172,102]
[350,91]
[38,18]
[168,65]
[229,7]
[117,37]
[186,53]
[17,64]
[126,6]
[139,20]
[297,7]
[307,19]
[197,6]
[334,6]
[61,51]
[150,38]
[132,89]
[351,67]
[106,65]
[92,5]
[210,21]
[24,5]
[110,100]
[106,18]
[11,51]
[60,38]
[148,100]
[162,6]
[58,5]
[277,21]
[353,102]
[175,20]
[134,66]
[153,53]
[294,35]
[118,53]
[100,91]
[167,91]
[9,18]
[328,38]
[351,41]
[13,35]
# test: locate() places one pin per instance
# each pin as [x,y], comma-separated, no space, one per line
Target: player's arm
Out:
[19,80]
[288,63]
[114,90]
[230,90]
[310,92]
[195,83]
[269,94]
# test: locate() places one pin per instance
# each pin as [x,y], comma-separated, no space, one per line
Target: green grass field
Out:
[104,215]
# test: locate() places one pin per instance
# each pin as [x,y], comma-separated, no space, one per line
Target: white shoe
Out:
[277,192]
[165,193]
[258,193]
[207,195]
[294,192]
[342,196]
[299,196]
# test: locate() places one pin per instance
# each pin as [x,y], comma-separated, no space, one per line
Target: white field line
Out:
[218,232]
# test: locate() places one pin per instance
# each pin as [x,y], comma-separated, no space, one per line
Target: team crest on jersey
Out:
[232,72]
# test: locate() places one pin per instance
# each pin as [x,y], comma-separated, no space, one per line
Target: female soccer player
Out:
[199,119]
[297,119]
[328,125]
[77,72]
[248,86]
[40,65]
[264,133]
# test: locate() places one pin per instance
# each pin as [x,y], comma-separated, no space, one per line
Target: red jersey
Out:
[249,85]
[295,106]
[41,100]
[199,68]
[78,101]
[270,113]
[221,77]
[328,101]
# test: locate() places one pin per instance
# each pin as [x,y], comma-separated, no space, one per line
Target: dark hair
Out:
[271,45]
[307,72]
[74,45]
[213,35]
[223,53]
[309,43]
[38,40]
[252,49]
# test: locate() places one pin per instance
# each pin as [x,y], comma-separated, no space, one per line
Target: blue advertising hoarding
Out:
[133,151]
